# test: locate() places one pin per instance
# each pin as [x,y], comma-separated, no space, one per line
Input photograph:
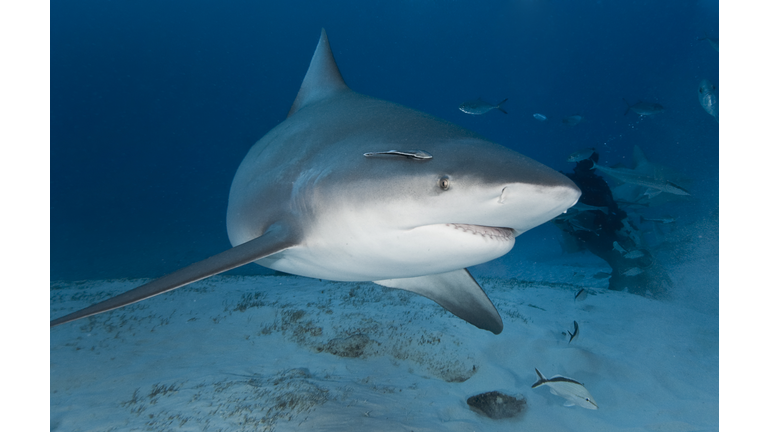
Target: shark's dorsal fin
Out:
[323,78]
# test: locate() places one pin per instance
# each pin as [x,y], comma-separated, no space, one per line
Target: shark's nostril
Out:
[502,196]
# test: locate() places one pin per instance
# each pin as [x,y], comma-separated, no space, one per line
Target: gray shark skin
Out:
[324,195]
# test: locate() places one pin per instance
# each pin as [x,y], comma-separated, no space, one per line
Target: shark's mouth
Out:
[492,233]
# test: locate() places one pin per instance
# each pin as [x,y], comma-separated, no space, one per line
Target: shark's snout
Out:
[523,206]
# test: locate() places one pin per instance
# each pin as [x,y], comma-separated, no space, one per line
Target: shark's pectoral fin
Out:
[277,238]
[458,293]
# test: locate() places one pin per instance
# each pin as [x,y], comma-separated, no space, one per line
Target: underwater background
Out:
[153,106]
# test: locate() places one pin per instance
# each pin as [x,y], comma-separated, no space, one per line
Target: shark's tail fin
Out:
[498,107]
[541,380]
[629,106]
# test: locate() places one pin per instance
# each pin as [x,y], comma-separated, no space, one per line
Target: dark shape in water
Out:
[644,108]
[572,120]
[497,405]
[479,106]
[714,42]
[600,231]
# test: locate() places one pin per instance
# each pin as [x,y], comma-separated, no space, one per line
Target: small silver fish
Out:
[540,117]
[573,391]
[644,108]
[617,247]
[573,120]
[634,271]
[635,254]
[575,334]
[479,106]
[581,295]
[581,155]
[708,98]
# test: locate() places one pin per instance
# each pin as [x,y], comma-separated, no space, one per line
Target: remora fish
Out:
[707,98]
[479,106]
[575,334]
[631,176]
[580,155]
[573,391]
[321,196]
[644,108]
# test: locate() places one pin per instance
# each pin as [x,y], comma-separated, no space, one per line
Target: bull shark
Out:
[353,188]
[640,176]
[635,193]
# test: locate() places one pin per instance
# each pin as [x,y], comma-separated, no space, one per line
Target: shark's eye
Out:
[444,183]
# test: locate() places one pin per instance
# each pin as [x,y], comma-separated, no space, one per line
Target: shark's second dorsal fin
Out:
[323,78]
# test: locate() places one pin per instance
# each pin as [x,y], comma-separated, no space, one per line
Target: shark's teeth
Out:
[495,233]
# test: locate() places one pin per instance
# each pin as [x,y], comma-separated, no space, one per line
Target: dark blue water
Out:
[154,104]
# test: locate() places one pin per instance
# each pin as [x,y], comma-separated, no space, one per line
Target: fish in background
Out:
[540,117]
[575,334]
[644,108]
[666,220]
[714,42]
[581,207]
[634,271]
[708,98]
[479,106]
[617,247]
[580,155]
[580,296]
[572,120]
[635,254]
[573,391]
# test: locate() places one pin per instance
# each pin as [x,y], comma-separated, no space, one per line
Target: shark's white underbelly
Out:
[420,251]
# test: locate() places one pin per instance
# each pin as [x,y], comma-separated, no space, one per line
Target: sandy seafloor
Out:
[284,353]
